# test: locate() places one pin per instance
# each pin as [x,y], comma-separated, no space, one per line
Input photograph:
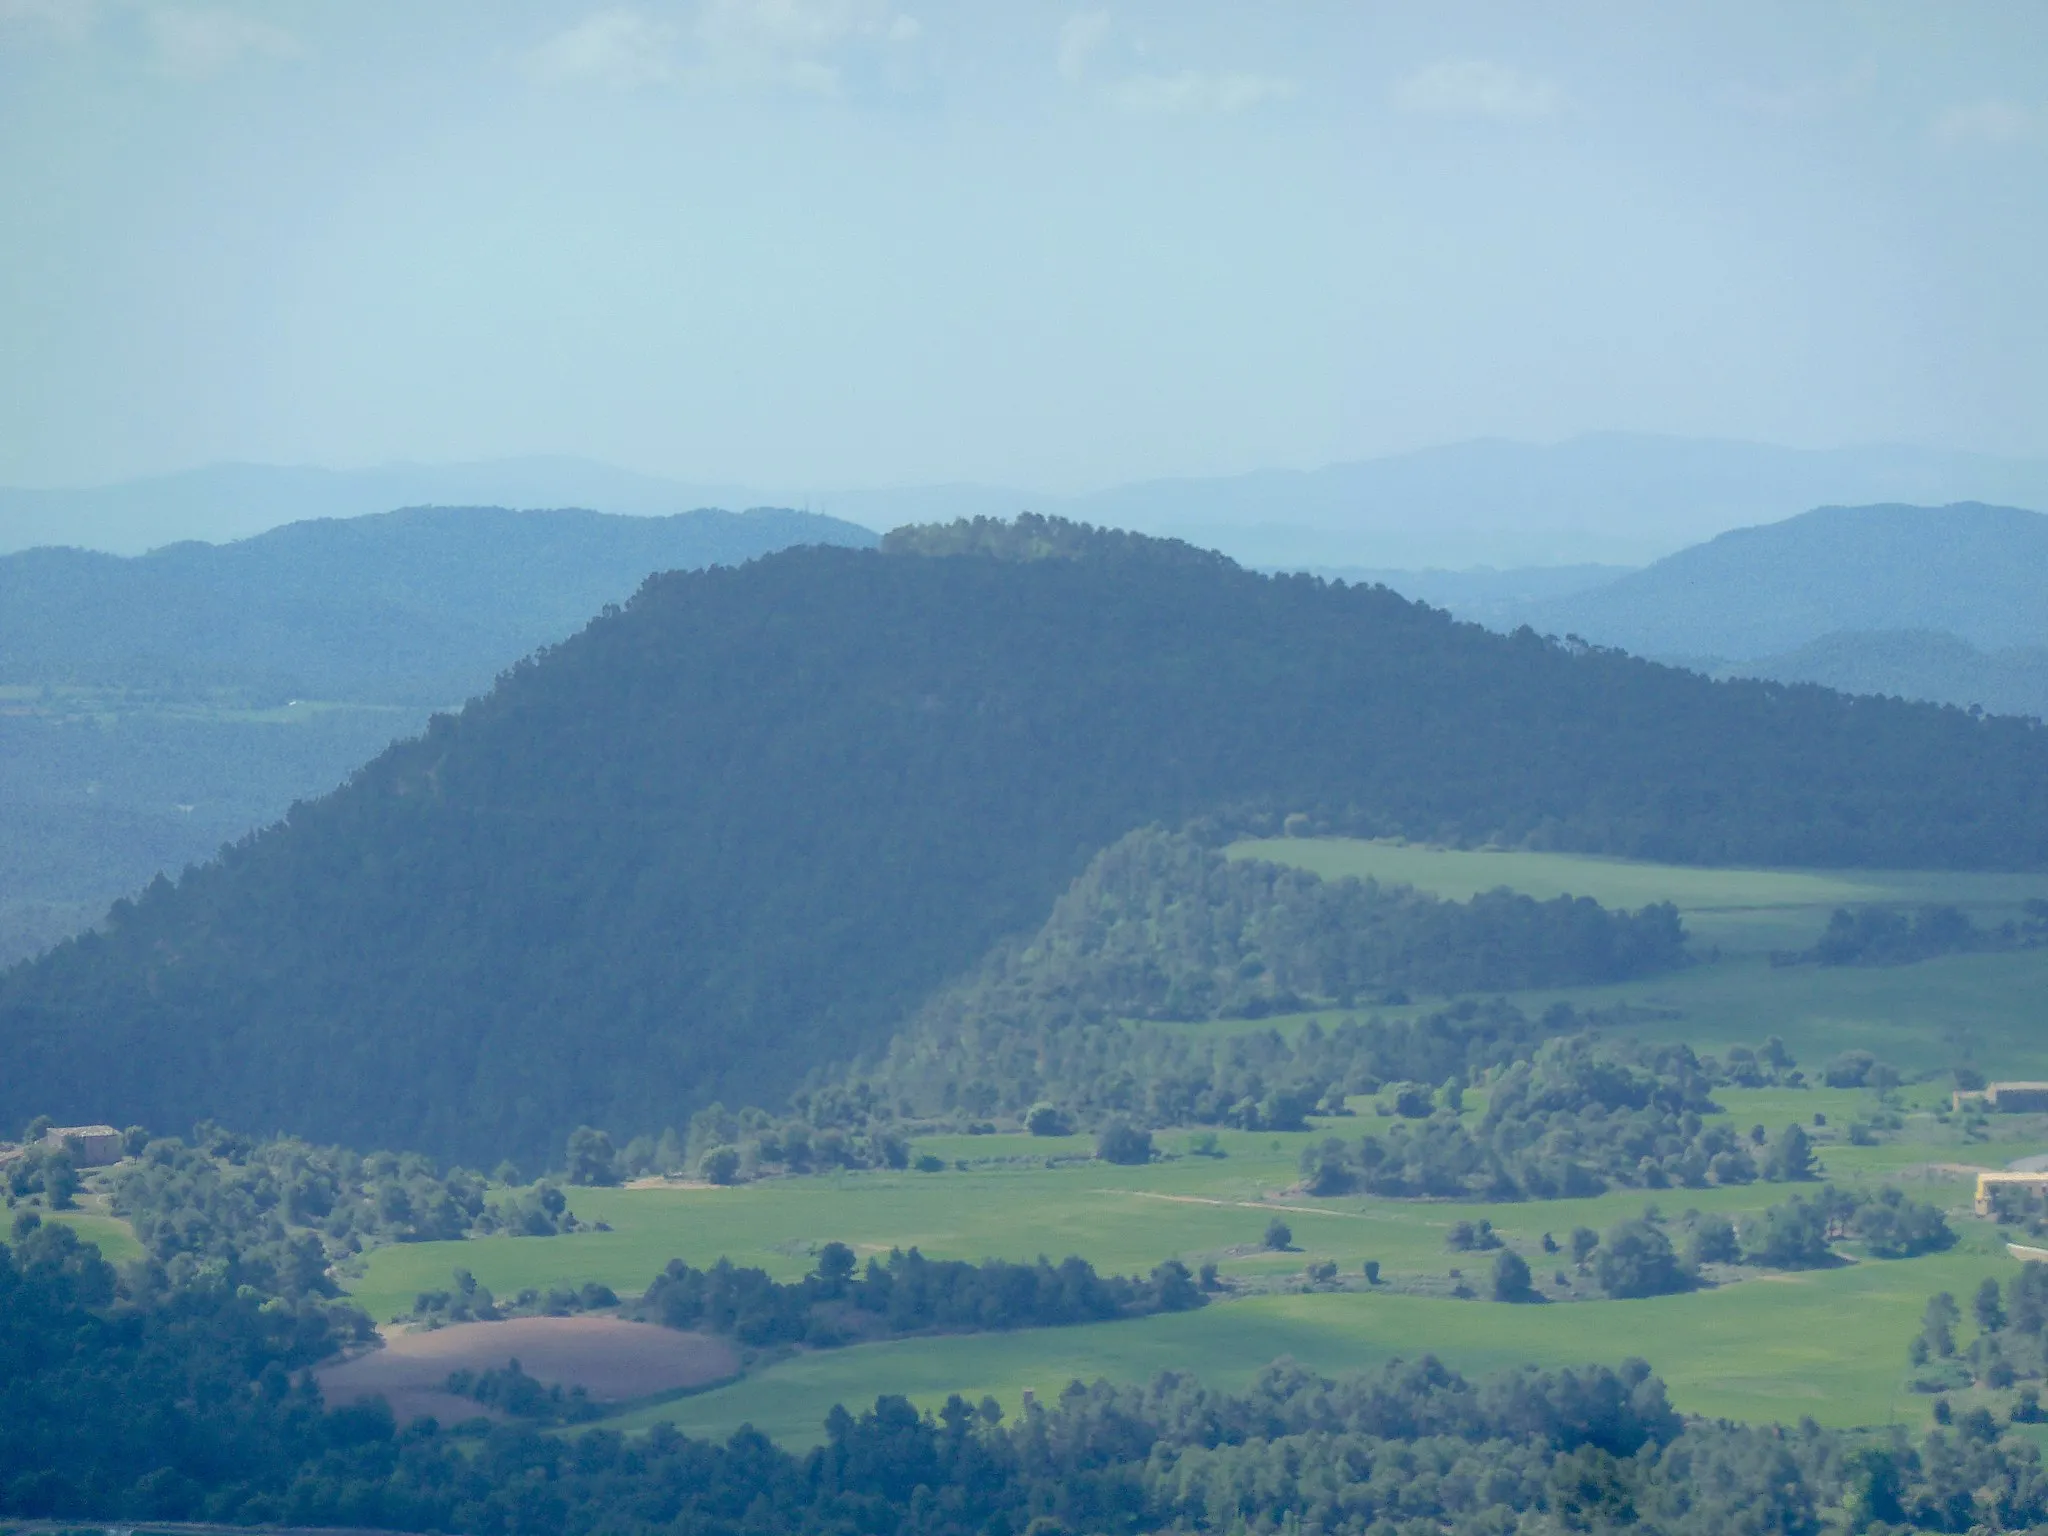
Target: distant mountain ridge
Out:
[738,829]
[1974,571]
[1911,664]
[419,606]
[1614,498]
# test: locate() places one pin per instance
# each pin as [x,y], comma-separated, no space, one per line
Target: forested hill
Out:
[1975,571]
[419,606]
[742,827]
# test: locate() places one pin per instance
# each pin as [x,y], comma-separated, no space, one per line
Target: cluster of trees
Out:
[905,1293]
[555,881]
[1800,1233]
[962,1061]
[1573,1118]
[468,1300]
[277,1212]
[2011,1344]
[509,1389]
[1161,927]
[181,1404]
[1881,935]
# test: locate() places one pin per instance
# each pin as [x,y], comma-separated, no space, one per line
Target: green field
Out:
[1830,1344]
[1827,1343]
[1770,1349]
[1751,910]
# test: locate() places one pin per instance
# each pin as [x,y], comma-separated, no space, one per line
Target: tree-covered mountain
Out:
[421,606]
[740,828]
[1912,664]
[146,704]
[1978,572]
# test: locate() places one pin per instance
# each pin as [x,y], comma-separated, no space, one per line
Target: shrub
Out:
[1511,1280]
[1636,1259]
[1044,1119]
[721,1165]
[1279,1236]
[1122,1142]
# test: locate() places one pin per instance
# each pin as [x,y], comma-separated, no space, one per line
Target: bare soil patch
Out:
[611,1359]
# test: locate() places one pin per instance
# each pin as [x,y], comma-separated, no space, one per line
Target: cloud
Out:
[1193,91]
[1807,98]
[196,44]
[1983,122]
[65,21]
[1082,37]
[1092,52]
[620,49]
[811,46]
[1477,88]
[804,45]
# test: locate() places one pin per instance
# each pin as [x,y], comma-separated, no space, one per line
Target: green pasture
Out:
[1830,1344]
[1827,1344]
[1750,910]
[111,1235]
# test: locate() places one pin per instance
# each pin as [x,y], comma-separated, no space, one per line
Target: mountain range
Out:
[1943,604]
[1613,498]
[733,832]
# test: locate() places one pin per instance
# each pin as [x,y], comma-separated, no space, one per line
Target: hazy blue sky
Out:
[833,242]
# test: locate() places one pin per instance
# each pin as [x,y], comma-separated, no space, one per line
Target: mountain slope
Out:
[420,606]
[739,829]
[145,724]
[1913,664]
[1975,571]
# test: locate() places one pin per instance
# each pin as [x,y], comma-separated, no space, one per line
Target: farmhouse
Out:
[2033,1183]
[92,1146]
[2007,1098]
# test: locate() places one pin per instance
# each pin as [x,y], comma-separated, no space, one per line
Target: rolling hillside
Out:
[1969,570]
[737,830]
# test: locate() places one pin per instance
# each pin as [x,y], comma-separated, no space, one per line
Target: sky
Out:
[874,242]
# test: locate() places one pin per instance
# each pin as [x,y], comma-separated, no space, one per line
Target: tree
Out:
[1279,1236]
[1121,1142]
[1938,1324]
[1044,1119]
[836,1265]
[1584,1241]
[721,1165]
[1989,1309]
[1511,1279]
[1791,1158]
[1790,1235]
[591,1158]
[1712,1242]
[1636,1259]
[1372,1270]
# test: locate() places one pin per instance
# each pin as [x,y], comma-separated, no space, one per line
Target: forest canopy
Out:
[740,829]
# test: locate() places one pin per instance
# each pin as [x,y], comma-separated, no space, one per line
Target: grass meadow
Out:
[1829,1344]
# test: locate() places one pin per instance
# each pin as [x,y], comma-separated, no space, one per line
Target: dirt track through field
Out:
[611,1359]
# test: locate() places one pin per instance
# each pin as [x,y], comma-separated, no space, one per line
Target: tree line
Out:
[144,1403]
[839,1302]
